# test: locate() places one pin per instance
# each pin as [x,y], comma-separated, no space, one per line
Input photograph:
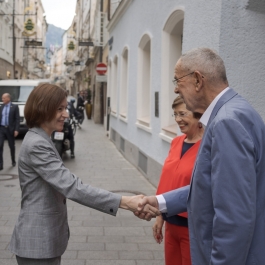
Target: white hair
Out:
[207,61]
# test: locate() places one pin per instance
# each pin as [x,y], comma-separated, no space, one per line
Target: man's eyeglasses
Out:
[180,115]
[175,80]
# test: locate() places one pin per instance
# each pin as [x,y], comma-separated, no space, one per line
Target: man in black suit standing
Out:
[9,118]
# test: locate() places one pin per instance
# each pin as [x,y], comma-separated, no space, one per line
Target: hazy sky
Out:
[60,13]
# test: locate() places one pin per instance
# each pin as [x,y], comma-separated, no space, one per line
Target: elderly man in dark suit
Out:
[9,118]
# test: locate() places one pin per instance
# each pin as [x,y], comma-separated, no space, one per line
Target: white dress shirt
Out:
[204,120]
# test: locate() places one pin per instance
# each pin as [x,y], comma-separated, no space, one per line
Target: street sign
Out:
[101,78]
[101,68]
[33,43]
[85,43]
[67,63]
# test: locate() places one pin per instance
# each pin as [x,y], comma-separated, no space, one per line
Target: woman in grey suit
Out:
[41,233]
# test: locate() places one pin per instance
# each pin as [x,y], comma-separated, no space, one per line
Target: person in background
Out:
[81,105]
[9,118]
[72,113]
[41,232]
[225,200]
[176,173]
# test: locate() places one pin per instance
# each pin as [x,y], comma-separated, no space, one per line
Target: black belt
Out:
[4,126]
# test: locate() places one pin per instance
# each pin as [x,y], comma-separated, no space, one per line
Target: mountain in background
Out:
[53,39]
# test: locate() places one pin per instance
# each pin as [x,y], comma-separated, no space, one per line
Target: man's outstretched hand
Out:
[147,208]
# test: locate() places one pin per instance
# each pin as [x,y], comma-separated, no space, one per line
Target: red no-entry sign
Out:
[101,68]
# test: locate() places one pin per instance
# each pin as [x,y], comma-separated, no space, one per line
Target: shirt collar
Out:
[206,115]
[8,104]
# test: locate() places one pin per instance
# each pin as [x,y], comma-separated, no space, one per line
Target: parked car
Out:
[19,89]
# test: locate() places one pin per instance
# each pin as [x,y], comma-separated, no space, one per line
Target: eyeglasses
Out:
[180,115]
[175,80]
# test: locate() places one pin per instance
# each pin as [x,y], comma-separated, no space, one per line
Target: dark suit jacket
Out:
[13,117]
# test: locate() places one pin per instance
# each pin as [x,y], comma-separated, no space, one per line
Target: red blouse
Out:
[177,170]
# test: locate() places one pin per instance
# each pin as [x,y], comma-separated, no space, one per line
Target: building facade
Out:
[88,37]
[9,54]
[20,57]
[34,55]
[143,55]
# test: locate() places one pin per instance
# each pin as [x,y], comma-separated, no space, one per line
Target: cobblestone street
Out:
[96,238]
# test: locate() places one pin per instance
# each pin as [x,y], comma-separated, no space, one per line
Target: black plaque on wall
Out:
[156,104]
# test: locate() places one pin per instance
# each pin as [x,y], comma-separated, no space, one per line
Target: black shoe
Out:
[1,167]
[72,156]
[14,164]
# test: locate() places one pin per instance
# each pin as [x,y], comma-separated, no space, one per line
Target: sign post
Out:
[101,68]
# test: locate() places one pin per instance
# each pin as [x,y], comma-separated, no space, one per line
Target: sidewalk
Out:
[96,238]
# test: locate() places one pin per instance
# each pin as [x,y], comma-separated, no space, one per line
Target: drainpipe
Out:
[14,41]
[100,60]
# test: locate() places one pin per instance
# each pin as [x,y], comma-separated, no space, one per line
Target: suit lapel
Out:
[224,98]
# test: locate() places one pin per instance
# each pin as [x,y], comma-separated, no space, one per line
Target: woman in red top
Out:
[176,173]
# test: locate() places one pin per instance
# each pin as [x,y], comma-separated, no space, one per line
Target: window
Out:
[171,51]
[124,84]
[143,84]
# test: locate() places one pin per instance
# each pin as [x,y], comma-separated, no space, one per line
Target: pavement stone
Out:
[8,261]
[110,262]
[95,238]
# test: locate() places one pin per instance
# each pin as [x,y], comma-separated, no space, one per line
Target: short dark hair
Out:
[42,104]
[179,100]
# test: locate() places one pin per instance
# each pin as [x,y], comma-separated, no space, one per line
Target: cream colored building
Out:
[76,52]
[69,58]
[91,21]
[7,37]
[57,67]
[88,33]
[29,24]
[34,56]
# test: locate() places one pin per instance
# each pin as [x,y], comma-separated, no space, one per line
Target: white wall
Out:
[243,49]
[236,32]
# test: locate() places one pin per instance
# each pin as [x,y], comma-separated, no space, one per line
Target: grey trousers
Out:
[26,261]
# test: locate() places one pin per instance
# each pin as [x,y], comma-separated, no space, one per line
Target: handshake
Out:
[144,207]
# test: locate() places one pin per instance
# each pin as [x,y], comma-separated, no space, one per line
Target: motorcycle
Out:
[61,140]
[64,140]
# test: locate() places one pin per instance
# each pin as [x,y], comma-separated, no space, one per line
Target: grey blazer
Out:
[226,197]
[42,229]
